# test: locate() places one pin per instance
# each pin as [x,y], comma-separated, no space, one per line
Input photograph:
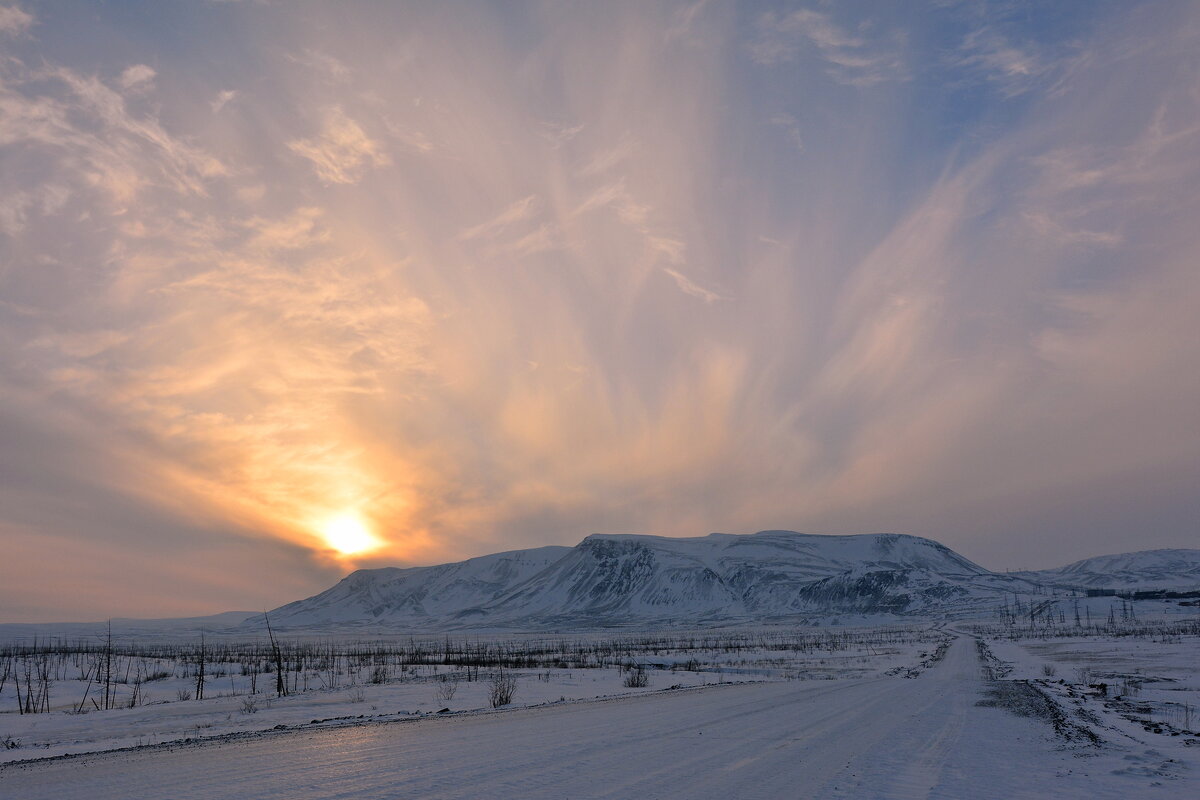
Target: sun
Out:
[348,534]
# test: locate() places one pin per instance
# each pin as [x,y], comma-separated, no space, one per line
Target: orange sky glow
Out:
[290,290]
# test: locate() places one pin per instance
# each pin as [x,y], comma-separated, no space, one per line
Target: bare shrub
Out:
[183,694]
[637,679]
[356,694]
[249,705]
[1084,674]
[446,690]
[379,675]
[1049,670]
[503,688]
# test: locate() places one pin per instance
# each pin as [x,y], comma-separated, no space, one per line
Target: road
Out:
[876,738]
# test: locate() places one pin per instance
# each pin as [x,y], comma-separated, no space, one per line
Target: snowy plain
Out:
[331,682]
[940,710]
[879,737]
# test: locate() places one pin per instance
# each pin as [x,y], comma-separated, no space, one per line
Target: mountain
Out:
[637,580]
[417,595]
[1148,569]
[723,577]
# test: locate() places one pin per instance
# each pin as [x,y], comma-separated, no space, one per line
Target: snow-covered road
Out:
[878,738]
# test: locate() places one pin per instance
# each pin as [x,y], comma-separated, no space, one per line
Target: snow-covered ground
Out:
[345,682]
[947,733]
[41,735]
[1135,684]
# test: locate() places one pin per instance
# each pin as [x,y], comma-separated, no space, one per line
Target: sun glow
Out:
[348,534]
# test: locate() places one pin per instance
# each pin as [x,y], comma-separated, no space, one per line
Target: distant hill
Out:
[1148,569]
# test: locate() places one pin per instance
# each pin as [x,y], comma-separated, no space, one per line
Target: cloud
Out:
[543,239]
[1013,68]
[1046,226]
[84,345]
[138,76]
[341,152]
[609,158]
[617,197]
[684,21]
[198,332]
[260,341]
[331,68]
[16,208]
[849,59]
[413,140]
[558,134]
[123,153]
[791,127]
[222,99]
[14,21]
[519,211]
[300,229]
[510,233]
[688,286]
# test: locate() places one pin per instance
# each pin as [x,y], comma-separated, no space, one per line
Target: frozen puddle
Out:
[871,738]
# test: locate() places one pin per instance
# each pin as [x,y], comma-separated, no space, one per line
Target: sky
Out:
[289,289]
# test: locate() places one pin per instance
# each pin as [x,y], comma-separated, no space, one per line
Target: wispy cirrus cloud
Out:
[109,148]
[852,58]
[341,152]
[138,76]
[329,67]
[1014,68]
[519,211]
[14,20]
[18,207]
[688,286]
[223,98]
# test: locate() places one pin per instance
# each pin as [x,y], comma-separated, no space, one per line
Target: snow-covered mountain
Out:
[417,596]
[1149,569]
[634,580]
[767,574]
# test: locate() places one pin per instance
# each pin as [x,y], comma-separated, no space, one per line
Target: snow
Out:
[879,737]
